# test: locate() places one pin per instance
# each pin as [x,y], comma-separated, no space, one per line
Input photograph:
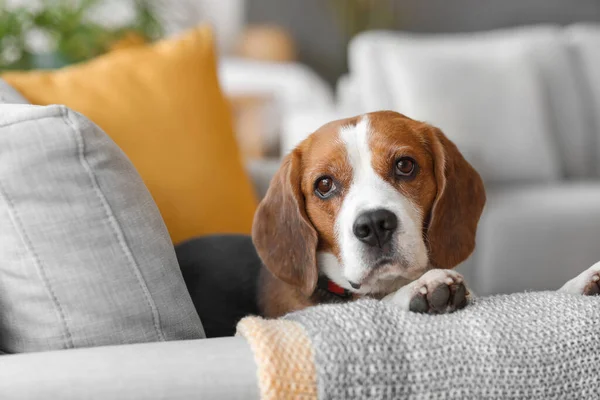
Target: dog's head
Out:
[369,201]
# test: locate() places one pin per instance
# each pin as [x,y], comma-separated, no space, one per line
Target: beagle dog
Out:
[378,205]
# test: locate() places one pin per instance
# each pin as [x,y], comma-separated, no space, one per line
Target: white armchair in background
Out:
[296,90]
[294,85]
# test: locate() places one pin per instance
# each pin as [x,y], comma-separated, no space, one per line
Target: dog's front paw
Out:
[593,286]
[586,283]
[438,291]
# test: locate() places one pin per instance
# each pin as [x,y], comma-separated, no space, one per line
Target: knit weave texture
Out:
[283,356]
[542,345]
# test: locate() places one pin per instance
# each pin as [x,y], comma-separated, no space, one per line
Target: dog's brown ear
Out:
[457,207]
[284,237]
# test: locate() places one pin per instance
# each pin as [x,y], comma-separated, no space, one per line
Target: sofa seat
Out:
[536,237]
[220,368]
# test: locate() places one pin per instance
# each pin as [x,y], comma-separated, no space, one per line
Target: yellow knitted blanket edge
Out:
[284,358]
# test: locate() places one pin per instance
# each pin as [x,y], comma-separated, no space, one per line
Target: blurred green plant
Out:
[65,24]
[355,16]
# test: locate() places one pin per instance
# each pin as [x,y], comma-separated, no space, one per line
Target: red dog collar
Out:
[332,287]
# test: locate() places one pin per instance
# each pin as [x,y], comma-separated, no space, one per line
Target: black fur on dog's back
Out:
[221,274]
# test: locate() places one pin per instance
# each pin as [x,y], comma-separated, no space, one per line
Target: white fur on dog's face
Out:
[368,191]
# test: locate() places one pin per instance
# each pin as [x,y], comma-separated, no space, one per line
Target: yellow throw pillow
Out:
[163,106]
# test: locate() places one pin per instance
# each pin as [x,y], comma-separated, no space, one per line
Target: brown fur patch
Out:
[285,239]
[458,205]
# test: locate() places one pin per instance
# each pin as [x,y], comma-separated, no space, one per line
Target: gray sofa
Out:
[535,234]
[87,264]
[220,368]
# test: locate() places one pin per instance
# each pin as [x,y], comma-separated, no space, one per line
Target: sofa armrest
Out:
[294,85]
[536,237]
[221,368]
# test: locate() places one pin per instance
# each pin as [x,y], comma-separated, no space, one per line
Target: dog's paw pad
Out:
[459,298]
[419,304]
[438,300]
[443,298]
[593,286]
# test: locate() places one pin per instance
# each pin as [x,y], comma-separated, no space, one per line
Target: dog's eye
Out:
[405,166]
[324,187]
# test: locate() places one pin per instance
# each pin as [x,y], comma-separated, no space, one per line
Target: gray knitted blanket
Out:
[542,345]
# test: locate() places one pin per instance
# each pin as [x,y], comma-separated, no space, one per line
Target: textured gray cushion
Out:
[8,95]
[85,258]
[540,345]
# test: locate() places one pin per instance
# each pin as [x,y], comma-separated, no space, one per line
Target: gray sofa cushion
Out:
[85,257]
[585,40]
[222,369]
[536,237]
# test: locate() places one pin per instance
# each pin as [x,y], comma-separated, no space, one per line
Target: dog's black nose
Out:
[376,227]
